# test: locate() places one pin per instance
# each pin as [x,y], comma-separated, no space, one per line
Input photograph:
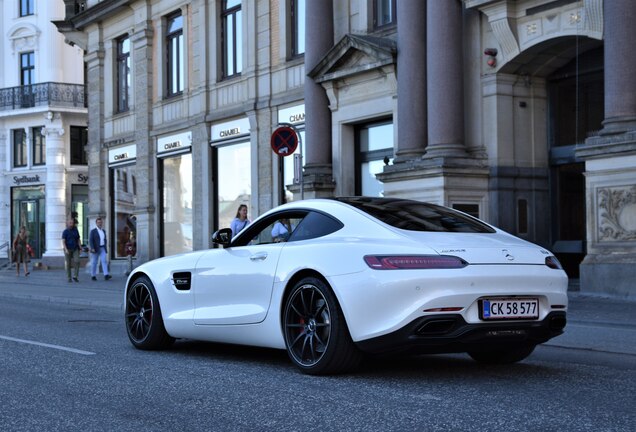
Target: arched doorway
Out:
[572,69]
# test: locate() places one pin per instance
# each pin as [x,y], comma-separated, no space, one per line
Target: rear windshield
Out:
[417,216]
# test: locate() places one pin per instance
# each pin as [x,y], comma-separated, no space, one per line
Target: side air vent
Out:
[181,280]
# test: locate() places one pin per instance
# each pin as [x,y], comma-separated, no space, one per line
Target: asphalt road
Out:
[66,367]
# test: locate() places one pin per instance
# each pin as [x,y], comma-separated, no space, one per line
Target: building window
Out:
[375,150]
[123,73]
[26,7]
[176,61]
[383,13]
[27,68]
[39,146]
[79,140]
[297,9]
[522,216]
[232,38]
[470,209]
[19,148]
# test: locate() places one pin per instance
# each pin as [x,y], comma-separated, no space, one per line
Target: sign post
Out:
[285,140]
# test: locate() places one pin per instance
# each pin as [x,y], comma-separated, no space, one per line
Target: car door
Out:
[234,285]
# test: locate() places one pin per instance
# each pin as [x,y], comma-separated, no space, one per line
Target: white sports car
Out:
[332,279]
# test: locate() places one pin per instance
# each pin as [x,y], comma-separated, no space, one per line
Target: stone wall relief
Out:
[616,213]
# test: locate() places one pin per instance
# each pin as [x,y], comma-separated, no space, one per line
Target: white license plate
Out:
[523,308]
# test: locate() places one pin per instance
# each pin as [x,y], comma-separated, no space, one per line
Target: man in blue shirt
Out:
[71,244]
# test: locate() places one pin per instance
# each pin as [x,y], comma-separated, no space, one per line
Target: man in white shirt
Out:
[97,243]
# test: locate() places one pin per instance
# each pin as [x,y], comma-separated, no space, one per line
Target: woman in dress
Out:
[240,221]
[20,251]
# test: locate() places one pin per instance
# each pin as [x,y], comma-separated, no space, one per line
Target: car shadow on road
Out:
[435,367]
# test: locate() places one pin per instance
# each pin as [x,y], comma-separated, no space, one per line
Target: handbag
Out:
[30,250]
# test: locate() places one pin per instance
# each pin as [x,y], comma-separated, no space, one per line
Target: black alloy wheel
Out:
[316,335]
[144,322]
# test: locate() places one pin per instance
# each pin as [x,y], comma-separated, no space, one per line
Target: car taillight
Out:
[553,263]
[406,262]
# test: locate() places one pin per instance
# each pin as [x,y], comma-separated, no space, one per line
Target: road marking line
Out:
[58,347]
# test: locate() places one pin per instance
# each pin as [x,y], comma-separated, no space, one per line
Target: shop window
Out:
[297,28]
[124,202]
[79,141]
[38,146]
[19,148]
[374,142]
[232,38]
[174,49]
[123,74]
[234,185]
[176,208]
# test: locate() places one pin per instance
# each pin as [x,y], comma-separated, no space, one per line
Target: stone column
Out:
[412,127]
[445,89]
[5,191]
[97,159]
[55,194]
[610,165]
[147,244]
[319,31]
[620,66]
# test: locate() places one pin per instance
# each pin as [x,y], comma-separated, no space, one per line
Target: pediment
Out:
[23,36]
[355,54]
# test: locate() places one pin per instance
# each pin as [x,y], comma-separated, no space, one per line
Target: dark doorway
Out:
[576,100]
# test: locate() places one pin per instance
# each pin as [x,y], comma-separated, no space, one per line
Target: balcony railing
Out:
[55,95]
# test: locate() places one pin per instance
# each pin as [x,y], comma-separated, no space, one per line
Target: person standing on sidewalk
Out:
[20,251]
[71,244]
[97,244]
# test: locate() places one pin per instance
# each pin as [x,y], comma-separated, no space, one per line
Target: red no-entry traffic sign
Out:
[284,141]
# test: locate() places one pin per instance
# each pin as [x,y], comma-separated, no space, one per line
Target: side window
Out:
[315,225]
[277,229]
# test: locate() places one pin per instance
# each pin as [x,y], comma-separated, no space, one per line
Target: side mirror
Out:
[222,237]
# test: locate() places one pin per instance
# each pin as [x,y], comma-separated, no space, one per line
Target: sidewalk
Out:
[595,322]
[52,286]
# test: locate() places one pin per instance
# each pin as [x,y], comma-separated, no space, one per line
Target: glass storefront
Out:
[234,184]
[288,168]
[375,149]
[176,202]
[28,210]
[79,205]
[124,201]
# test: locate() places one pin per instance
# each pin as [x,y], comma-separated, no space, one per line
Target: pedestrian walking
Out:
[71,243]
[20,251]
[98,246]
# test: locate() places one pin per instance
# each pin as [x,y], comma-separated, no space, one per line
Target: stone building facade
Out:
[518,112]
[43,114]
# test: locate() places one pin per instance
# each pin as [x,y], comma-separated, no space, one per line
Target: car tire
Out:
[144,322]
[506,355]
[316,334]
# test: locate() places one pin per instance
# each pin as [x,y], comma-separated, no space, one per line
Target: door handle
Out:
[259,256]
